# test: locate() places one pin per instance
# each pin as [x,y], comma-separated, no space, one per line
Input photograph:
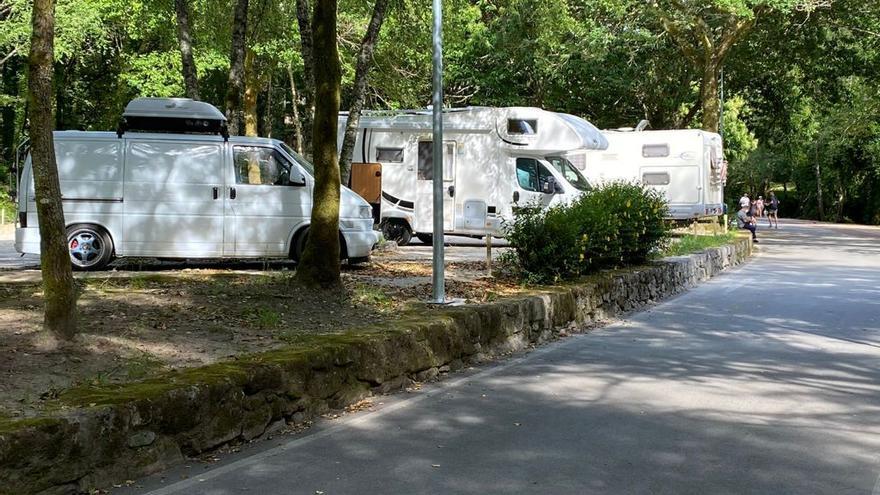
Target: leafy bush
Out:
[615,225]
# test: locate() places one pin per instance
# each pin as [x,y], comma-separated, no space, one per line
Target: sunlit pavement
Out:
[764,380]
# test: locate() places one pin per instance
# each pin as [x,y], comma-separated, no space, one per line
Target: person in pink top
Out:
[759,206]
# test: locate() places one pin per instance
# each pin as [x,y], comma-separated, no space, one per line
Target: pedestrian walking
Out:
[773,211]
[759,206]
[745,220]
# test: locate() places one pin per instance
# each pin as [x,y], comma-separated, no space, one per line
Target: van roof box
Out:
[172,115]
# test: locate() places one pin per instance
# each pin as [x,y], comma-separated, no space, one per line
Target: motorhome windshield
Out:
[299,158]
[569,173]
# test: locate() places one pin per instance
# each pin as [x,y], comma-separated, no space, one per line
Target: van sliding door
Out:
[173,203]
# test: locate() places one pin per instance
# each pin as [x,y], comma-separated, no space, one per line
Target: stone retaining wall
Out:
[104,435]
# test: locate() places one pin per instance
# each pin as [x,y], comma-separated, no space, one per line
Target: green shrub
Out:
[614,225]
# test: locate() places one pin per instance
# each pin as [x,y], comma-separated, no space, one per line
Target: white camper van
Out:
[183,189]
[495,159]
[686,165]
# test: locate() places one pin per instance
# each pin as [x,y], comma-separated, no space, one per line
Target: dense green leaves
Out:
[801,83]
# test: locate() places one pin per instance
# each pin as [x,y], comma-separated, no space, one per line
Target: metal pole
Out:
[439,283]
[721,120]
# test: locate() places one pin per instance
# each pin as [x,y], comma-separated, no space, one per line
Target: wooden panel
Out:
[366,180]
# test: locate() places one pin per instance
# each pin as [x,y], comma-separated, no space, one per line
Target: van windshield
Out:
[301,160]
[569,173]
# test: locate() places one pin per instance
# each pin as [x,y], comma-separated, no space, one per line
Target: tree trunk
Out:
[251,90]
[360,87]
[294,103]
[184,38]
[303,12]
[268,115]
[58,285]
[236,69]
[320,261]
[709,98]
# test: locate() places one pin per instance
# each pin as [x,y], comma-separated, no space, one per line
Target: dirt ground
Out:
[144,323]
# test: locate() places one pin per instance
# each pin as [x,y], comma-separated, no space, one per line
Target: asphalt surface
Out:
[764,380]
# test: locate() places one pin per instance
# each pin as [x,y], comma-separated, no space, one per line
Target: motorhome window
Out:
[426,160]
[531,174]
[655,179]
[522,126]
[570,173]
[655,150]
[259,166]
[389,155]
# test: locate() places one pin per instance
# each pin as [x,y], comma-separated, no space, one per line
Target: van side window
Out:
[259,166]
[531,174]
[389,155]
[655,150]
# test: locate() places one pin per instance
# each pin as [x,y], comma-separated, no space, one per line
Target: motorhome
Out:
[494,160]
[172,183]
[686,165]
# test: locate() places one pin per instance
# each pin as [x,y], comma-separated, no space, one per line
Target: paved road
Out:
[765,380]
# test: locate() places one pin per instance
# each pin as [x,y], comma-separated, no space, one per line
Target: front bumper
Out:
[359,243]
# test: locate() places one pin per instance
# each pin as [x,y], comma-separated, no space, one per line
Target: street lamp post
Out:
[439,283]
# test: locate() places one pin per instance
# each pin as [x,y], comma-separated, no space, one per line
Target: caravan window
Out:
[655,150]
[522,126]
[569,172]
[656,179]
[531,174]
[259,166]
[426,161]
[389,155]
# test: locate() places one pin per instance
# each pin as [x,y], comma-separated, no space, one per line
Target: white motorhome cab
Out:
[686,165]
[187,193]
[495,160]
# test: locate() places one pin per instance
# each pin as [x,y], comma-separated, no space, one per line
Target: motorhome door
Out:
[424,207]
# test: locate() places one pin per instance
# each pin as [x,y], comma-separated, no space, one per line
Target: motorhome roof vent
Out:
[172,115]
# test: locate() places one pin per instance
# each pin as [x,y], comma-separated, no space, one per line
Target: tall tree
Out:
[706,32]
[184,39]
[319,265]
[58,284]
[235,92]
[365,54]
[306,37]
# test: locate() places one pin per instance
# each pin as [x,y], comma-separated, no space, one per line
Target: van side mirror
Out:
[298,179]
[550,186]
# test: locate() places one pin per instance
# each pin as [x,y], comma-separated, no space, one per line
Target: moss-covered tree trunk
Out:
[58,285]
[294,104]
[320,261]
[710,100]
[365,54]
[184,39]
[235,91]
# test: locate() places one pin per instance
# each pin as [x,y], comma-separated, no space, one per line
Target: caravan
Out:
[172,183]
[686,165]
[494,160]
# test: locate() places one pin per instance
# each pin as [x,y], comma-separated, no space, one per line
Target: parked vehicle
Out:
[495,160]
[171,183]
[686,165]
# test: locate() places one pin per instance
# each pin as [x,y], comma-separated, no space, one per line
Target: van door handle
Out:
[216,192]
[515,196]
[231,193]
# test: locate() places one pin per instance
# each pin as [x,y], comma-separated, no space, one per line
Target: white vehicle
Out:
[686,165]
[187,193]
[495,160]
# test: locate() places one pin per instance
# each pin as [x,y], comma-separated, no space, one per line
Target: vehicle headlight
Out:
[365,211]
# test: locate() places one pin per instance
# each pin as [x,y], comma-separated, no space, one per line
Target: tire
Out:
[396,231]
[299,246]
[426,238]
[90,247]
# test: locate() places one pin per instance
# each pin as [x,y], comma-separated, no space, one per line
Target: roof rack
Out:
[172,115]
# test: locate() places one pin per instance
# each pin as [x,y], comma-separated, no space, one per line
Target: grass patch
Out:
[690,243]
